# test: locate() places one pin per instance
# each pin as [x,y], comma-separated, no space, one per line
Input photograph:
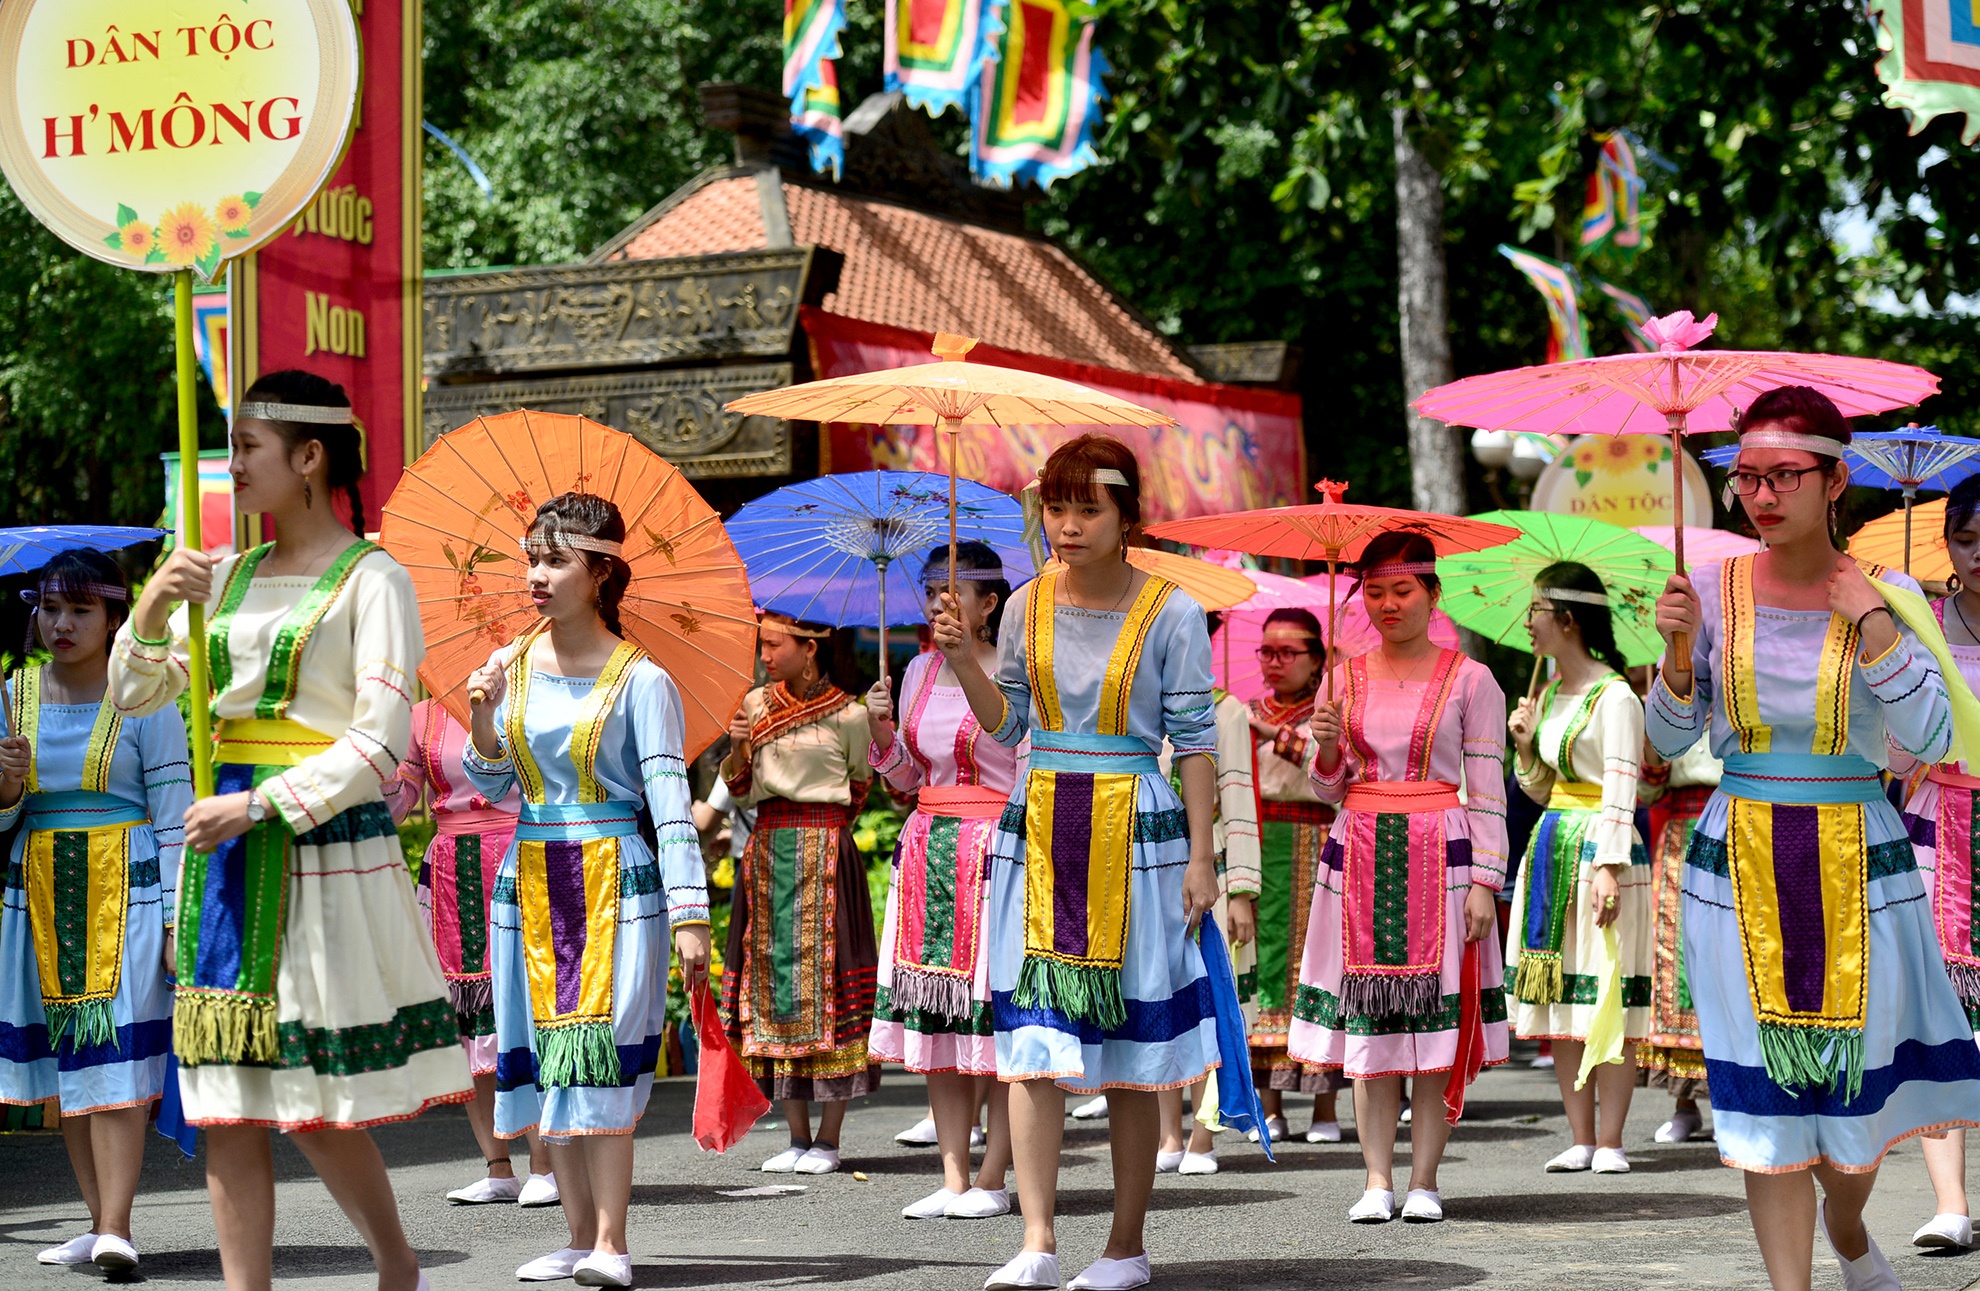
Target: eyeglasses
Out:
[1785,480]
[1282,654]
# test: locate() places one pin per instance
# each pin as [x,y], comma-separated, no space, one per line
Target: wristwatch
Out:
[257,808]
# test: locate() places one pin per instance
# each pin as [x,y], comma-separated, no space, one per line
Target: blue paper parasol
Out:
[836,549]
[1237,1097]
[1914,458]
[28,548]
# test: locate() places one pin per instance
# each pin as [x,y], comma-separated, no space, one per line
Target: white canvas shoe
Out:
[1573,1161]
[980,1203]
[539,1190]
[1423,1206]
[1113,1275]
[935,1205]
[1681,1126]
[1093,1109]
[1030,1271]
[921,1134]
[1609,1161]
[113,1254]
[1945,1233]
[1377,1206]
[977,1138]
[1869,1271]
[1324,1132]
[485,1192]
[786,1161]
[554,1267]
[818,1159]
[74,1251]
[1168,1162]
[601,1270]
[1198,1163]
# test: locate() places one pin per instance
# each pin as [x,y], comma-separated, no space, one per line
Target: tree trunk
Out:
[1436,462]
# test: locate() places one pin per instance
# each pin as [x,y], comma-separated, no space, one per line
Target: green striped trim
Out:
[371,1047]
[1582,988]
[1149,826]
[1323,1008]
[285,655]
[1885,859]
[366,821]
[220,626]
[979,1023]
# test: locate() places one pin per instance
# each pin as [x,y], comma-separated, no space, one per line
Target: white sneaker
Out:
[1168,1162]
[977,1138]
[601,1270]
[539,1190]
[554,1267]
[1408,1116]
[1324,1132]
[1093,1109]
[113,1254]
[1945,1233]
[1276,1124]
[1679,1129]
[74,1251]
[1609,1161]
[921,1134]
[1869,1271]
[1377,1206]
[1423,1206]
[1113,1275]
[1198,1163]
[483,1192]
[1543,1063]
[980,1203]
[1030,1271]
[786,1161]
[935,1205]
[818,1159]
[1573,1161]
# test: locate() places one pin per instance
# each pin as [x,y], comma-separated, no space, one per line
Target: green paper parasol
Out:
[1488,591]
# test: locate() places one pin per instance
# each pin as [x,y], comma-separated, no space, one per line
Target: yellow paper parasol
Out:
[1882,542]
[457,520]
[1214,587]
[949,395]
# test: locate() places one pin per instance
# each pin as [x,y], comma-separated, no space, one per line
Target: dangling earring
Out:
[1953,586]
[309,494]
[1832,519]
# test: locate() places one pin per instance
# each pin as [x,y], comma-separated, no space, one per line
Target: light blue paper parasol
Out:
[838,548]
[27,548]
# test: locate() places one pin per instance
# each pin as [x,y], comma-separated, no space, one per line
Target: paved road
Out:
[1677,1221]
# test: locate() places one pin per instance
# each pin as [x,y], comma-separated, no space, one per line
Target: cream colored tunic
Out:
[815,762]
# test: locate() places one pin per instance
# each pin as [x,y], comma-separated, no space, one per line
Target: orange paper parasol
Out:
[1882,542]
[1213,586]
[950,394]
[457,520]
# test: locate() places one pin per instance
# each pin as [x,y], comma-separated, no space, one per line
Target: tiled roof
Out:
[927,272]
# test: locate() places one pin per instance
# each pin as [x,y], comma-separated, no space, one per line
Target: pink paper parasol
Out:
[1702,544]
[1234,645]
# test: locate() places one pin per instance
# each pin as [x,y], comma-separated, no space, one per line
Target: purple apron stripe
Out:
[1072,842]
[563,865]
[1798,893]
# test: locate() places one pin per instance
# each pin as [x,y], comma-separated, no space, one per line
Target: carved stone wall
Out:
[679,413]
[626,314]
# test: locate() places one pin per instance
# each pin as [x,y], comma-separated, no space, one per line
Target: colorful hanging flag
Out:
[1560,287]
[935,49]
[216,501]
[1634,311]
[1033,108]
[819,123]
[811,36]
[1931,59]
[1613,212]
[210,342]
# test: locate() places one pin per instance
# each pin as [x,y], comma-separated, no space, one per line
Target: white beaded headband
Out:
[1820,445]
[1101,475]
[1398,568]
[550,539]
[791,627]
[308,414]
[102,591]
[1569,594]
[937,572]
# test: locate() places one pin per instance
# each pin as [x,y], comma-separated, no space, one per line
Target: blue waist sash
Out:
[1092,754]
[550,822]
[1801,779]
[79,809]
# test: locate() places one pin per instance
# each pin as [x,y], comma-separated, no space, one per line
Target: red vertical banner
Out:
[339,294]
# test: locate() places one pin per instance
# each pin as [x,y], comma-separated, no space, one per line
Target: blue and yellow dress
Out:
[1094,980]
[1830,1029]
[85,1007]
[584,909]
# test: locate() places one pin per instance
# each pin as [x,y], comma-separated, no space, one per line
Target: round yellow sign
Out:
[173,134]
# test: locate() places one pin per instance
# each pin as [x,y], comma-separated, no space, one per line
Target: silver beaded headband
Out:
[295,412]
[102,591]
[937,573]
[1820,445]
[1101,475]
[1398,568]
[1569,594]
[543,542]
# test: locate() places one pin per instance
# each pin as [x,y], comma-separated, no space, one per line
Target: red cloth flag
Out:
[726,1100]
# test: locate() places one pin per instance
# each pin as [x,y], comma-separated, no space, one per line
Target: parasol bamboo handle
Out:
[1333,619]
[954,428]
[1681,642]
[1533,683]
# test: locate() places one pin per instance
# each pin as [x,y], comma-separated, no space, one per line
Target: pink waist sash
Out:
[1945,775]
[1401,796]
[964,801]
[482,821]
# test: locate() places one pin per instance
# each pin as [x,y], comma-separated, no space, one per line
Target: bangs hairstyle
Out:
[1801,409]
[75,575]
[586,515]
[1398,546]
[1067,475]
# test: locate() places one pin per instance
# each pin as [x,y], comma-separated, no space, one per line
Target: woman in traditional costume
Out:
[1581,956]
[1938,814]
[85,1007]
[1292,834]
[1098,870]
[802,960]
[1803,904]
[590,731]
[1672,1055]
[1399,977]
[309,999]
[456,889]
[932,1010]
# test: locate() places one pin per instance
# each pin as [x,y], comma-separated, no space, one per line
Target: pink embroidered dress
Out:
[932,1011]
[1383,967]
[457,875]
